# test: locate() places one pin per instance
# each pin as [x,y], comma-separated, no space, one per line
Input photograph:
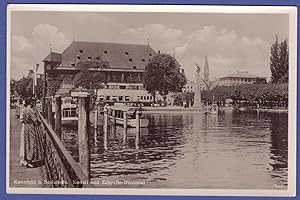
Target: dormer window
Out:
[130,59]
[149,59]
[97,58]
[89,58]
[134,67]
[143,60]
[126,53]
[150,54]
[73,64]
[105,52]
[78,57]
[80,51]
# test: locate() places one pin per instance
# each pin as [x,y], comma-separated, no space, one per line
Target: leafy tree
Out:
[87,77]
[25,90]
[162,75]
[279,62]
[284,62]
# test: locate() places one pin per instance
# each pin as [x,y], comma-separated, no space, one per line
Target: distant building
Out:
[190,86]
[206,73]
[238,78]
[123,78]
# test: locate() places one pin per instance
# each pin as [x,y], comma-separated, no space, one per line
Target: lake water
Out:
[235,150]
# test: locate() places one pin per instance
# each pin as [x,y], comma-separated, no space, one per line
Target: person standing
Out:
[22,161]
[33,138]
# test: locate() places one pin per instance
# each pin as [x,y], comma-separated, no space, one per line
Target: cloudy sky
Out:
[230,41]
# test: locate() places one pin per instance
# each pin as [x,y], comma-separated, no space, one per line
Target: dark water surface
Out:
[236,150]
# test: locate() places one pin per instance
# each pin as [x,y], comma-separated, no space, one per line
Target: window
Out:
[80,51]
[130,59]
[120,98]
[105,52]
[122,87]
[89,58]
[134,67]
[73,64]
[143,60]
[78,57]
[126,53]
[108,98]
[150,54]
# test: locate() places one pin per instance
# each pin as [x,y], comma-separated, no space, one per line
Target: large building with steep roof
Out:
[123,76]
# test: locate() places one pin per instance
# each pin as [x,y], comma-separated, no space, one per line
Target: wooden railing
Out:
[62,170]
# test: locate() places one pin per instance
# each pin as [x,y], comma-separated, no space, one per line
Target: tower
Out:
[206,72]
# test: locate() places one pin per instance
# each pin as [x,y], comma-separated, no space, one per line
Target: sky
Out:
[231,42]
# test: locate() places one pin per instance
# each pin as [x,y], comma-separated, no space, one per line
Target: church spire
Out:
[206,71]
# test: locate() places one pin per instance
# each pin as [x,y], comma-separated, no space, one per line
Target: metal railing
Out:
[61,169]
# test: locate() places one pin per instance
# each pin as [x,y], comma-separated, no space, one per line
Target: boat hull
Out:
[131,122]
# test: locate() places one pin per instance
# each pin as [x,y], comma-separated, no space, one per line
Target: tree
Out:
[162,75]
[89,79]
[279,62]
[25,90]
[284,62]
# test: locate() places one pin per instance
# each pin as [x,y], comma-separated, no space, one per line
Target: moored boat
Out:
[131,116]
[69,112]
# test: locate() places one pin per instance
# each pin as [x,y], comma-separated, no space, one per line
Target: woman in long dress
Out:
[33,148]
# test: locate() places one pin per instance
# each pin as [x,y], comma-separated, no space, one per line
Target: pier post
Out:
[105,128]
[113,121]
[58,115]
[96,122]
[83,134]
[125,127]
[45,109]
[137,136]
[50,114]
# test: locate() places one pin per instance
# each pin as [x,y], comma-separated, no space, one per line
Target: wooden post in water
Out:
[83,134]
[45,109]
[137,136]
[96,123]
[113,121]
[125,127]
[105,128]
[50,114]
[58,115]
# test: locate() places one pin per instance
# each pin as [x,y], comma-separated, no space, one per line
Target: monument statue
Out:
[197,98]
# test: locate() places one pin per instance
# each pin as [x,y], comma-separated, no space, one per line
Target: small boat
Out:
[131,116]
[212,110]
[69,112]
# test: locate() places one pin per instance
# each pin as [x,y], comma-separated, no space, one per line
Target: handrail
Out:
[80,179]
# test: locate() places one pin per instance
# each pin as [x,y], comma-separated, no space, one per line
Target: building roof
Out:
[241,74]
[119,56]
[52,56]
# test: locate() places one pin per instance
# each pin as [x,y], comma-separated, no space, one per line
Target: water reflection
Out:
[236,150]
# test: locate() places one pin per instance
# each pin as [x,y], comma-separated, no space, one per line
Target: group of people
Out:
[32,150]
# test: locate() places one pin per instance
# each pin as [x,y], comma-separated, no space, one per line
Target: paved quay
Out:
[20,176]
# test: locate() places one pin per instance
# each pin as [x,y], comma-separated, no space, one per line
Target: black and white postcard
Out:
[151,99]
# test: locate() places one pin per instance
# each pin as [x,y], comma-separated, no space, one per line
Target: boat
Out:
[69,112]
[212,110]
[131,118]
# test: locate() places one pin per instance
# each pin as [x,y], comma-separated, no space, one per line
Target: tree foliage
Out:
[162,75]
[24,87]
[279,62]
[248,92]
[88,78]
